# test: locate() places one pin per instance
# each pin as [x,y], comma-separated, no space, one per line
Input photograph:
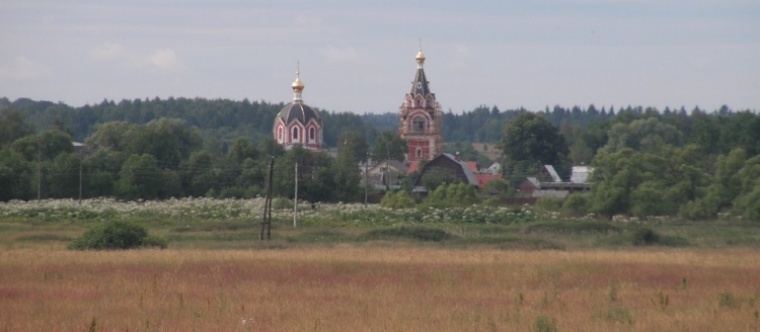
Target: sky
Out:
[358,56]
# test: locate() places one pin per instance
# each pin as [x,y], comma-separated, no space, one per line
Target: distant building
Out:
[421,116]
[297,123]
[533,187]
[448,164]
[387,174]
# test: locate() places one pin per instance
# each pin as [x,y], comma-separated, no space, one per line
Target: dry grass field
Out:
[379,287]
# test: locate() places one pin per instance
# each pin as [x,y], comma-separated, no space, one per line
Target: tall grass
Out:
[399,288]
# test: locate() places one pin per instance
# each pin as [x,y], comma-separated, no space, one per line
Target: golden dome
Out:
[297,84]
[420,57]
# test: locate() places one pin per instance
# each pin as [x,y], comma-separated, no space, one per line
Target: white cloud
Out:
[107,51]
[24,69]
[460,59]
[341,54]
[164,59]
[117,54]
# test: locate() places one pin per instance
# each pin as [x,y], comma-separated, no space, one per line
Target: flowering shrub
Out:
[207,209]
[109,208]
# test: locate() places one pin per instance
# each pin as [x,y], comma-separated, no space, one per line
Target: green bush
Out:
[116,235]
[413,233]
[282,203]
[549,204]
[452,195]
[645,237]
[576,205]
[562,227]
[399,200]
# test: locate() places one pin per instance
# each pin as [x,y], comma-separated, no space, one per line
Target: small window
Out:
[418,153]
[279,134]
[418,124]
[295,133]
[312,133]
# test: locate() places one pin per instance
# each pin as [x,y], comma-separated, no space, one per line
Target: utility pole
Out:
[295,201]
[39,170]
[366,179]
[80,181]
[266,222]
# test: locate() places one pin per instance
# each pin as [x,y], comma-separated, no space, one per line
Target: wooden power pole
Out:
[266,222]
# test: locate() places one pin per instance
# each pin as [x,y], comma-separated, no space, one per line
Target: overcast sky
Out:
[358,56]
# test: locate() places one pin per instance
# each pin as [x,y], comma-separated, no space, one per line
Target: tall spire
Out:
[420,83]
[297,84]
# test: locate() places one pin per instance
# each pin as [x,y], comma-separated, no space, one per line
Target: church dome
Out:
[298,111]
[420,57]
[297,123]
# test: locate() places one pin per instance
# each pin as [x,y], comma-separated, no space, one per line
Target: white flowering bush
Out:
[357,214]
[108,208]
[208,209]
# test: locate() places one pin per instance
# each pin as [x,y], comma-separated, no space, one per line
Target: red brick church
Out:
[421,117]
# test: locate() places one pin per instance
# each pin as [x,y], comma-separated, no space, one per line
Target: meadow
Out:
[347,268]
[380,288]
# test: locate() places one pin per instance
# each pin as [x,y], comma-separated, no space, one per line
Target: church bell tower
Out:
[421,115]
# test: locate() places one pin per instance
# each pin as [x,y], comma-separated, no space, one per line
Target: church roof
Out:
[298,111]
[420,83]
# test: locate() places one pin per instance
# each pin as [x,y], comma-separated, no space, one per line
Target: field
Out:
[379,288]
[349,269]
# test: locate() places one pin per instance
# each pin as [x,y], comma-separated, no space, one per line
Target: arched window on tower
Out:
[295,134]
[312,134]
[418,153]
[419,124]
[279,134]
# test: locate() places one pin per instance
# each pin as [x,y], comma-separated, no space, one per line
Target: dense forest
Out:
[697,164]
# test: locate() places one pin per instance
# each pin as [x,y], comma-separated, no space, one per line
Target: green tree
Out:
[726,185]
[12,126]
[15,176]
[44,146]
[616,175]
[140,177]
[346,171]
[530,140]
[354,144]
[643,135]
[115,136]
[168,140]
[747,203]
[242,149]
[198,176]
[315,175]
[62,176]
[101,170]
[389,146]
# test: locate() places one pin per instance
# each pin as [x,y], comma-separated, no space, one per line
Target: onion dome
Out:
[297,110]
[420,58]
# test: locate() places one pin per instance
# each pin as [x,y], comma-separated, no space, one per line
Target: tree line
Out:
[695,166]
[647,162]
